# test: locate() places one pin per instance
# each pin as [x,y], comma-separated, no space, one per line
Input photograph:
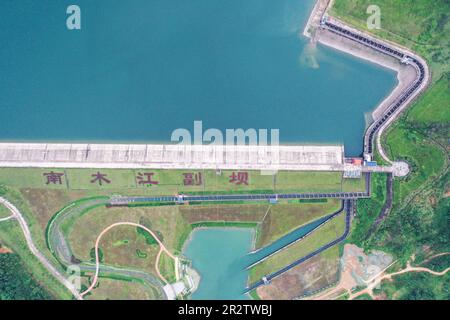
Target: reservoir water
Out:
[222,255]
[139,69]
[217,254]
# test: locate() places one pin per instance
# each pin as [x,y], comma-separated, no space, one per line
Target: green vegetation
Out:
[148,237]
[38,201]
[325,234]
[438,264]
[364,296]
[17,283]
[173,225]
[433,107]
[422,25]
[100,255]
[421,208]
[254,295]
[417,286]
[121,242]
[223,224]
[368,210]
[353,185]
[344,296]
[171,182]
[308,181]
[425,158]
[4,212]
[167,268]
[141,254]
[111,288]
[418,223]
[31,272]
[284,218]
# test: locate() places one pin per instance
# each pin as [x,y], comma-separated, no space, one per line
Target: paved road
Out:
[97,259]
[27,234]
[63,253]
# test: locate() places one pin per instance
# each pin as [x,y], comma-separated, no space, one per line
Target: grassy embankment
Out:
[327,233]
[418,223]
[39,201]
[421,25]
[38,282]
[173,224]
[120,289]
[4,213]
[125,182]
[369,210]
[17,283]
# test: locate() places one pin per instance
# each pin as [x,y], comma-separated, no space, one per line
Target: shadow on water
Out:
[308,57]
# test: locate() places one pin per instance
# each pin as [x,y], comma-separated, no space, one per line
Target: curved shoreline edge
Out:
[406,80]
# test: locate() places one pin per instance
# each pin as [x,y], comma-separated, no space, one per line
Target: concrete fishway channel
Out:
[61,249]
[291,238]
[349,208]
[118,201]
[83,157]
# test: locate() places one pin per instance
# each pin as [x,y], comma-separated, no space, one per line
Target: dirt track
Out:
[346,283]
[97,259]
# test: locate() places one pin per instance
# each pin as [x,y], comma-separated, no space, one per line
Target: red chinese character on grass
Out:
[191,179]
[239,178]
[53,177]
[100,177]
[146,178]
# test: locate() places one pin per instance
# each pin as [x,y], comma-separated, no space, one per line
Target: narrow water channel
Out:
[222,255]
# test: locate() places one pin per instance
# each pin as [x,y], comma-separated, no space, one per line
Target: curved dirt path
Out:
[162,249]
[378,279]
[345,288]
[29,240]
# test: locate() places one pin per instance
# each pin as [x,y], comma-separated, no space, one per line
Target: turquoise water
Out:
[217,254]
[283,241]
[139,69]
[221,256]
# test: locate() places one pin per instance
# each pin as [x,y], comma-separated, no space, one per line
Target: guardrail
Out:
[374,127]
[348,207]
